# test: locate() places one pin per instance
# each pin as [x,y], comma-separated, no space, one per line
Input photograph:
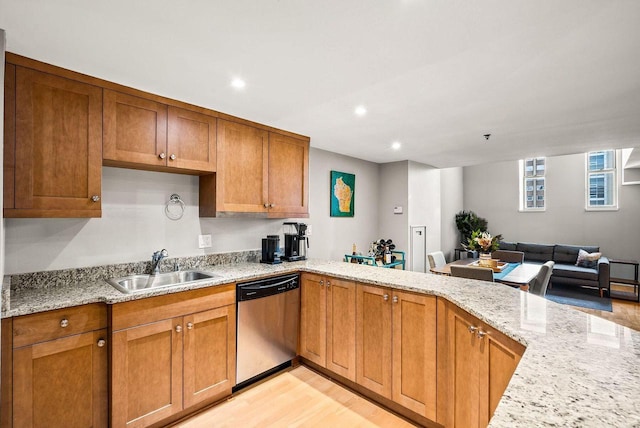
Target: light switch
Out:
[204,241]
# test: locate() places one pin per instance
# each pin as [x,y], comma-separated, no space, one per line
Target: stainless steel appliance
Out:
[295,241]
[267,332]
[271,250]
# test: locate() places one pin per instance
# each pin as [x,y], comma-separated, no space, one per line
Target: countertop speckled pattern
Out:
[578,370]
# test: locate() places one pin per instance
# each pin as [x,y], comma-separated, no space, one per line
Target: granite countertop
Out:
[578,370]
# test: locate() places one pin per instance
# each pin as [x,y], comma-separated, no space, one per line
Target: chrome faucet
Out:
[156,258]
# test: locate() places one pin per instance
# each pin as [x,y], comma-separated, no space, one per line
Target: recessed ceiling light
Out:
[360,110]
[396,145]
[238,83]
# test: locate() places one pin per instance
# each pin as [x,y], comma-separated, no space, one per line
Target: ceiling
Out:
[543,77]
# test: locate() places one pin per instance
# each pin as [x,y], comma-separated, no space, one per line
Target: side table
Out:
[627,281]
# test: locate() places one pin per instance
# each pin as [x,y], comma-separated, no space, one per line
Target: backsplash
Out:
[54,278]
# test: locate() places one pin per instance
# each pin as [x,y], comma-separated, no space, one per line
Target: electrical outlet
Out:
[309,230]
[204,241]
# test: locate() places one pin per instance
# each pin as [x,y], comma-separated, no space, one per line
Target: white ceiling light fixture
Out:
[396,145]
[238,83]
[360,110]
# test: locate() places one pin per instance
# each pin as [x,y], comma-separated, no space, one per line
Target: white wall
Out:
[133,223]
[452,202]
[492,192]
[424,203]
[394,191]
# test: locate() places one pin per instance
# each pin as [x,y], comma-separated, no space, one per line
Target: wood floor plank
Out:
[297,398]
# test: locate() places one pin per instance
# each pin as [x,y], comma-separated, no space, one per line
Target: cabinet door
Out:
[61,383]
[209,354]
[373,339]
[191,140]
[288,176]
[313,319]
[341,327]
[414,352]
[465,360]
[500,358]
[58,148]
[146,373]
[135,130]
[241,182]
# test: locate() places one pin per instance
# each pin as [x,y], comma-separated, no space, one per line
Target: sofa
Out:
[565,270]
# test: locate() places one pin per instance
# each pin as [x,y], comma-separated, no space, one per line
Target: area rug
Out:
[579,296]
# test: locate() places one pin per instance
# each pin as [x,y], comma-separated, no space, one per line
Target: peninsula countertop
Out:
[578,370]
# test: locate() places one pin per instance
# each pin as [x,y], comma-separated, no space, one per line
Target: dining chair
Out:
[508,256]
[436,259]
[541,281]
[484,274]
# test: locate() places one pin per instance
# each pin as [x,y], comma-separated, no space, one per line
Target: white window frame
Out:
[522,206]
[614,171]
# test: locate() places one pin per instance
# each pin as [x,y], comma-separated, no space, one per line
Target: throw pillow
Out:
[587,260]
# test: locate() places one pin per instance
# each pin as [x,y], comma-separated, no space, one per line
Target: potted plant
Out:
[467,222]
[483,242]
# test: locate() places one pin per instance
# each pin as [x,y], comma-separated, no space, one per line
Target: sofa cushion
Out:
[537,252]
[573,271]
[568,254]
[588,260]
[509,246]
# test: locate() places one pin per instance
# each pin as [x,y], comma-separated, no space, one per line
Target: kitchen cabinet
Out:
[327,323]
[59,369]
[53,145]
[396,347]
[144,133]
[479,364]
[259,172]
[171,353]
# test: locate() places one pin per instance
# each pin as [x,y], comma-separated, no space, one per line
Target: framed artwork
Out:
[343,187]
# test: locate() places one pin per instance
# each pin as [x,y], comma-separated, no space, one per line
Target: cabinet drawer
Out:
[29,329]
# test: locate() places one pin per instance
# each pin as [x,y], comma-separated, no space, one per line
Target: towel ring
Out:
[174,209]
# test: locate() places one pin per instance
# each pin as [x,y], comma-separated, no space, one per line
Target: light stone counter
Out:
[578,370]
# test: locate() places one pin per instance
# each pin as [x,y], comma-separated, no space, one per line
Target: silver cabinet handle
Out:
[328,283]
[178,328]
[64,323]
[101,343]
[172,157]
[385,297]
[481,334]
[272,205]
[189,325]
[472,329]
[395,299]
[266,205]
[95,198]
[162,155]
[321,282]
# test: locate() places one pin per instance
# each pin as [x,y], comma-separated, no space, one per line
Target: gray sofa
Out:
[565,270]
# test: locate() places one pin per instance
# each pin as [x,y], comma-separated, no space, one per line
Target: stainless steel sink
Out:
[138,283]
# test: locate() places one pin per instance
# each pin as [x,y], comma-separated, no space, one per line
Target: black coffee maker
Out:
[295,241]
[271,250]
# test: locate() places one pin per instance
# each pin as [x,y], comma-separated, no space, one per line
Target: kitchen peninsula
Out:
[577,369]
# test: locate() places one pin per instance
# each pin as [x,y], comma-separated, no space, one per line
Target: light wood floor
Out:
[297,398]
[625,312]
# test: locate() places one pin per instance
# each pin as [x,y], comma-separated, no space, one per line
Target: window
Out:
[601,180]
[532,184]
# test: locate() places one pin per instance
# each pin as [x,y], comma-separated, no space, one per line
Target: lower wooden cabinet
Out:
[327,323]
[56,373]
[396,347]
[160,368]
[480,363]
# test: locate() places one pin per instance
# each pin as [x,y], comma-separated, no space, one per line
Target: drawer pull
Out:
[189,325]
[472,329]
[101,343]
[64,323]
[178,328]
[385,297]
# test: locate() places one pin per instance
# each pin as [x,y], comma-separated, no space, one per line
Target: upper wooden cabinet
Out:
[259,172]
[53,146]
[142,133]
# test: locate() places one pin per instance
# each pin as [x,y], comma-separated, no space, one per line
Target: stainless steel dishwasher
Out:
[268,320]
